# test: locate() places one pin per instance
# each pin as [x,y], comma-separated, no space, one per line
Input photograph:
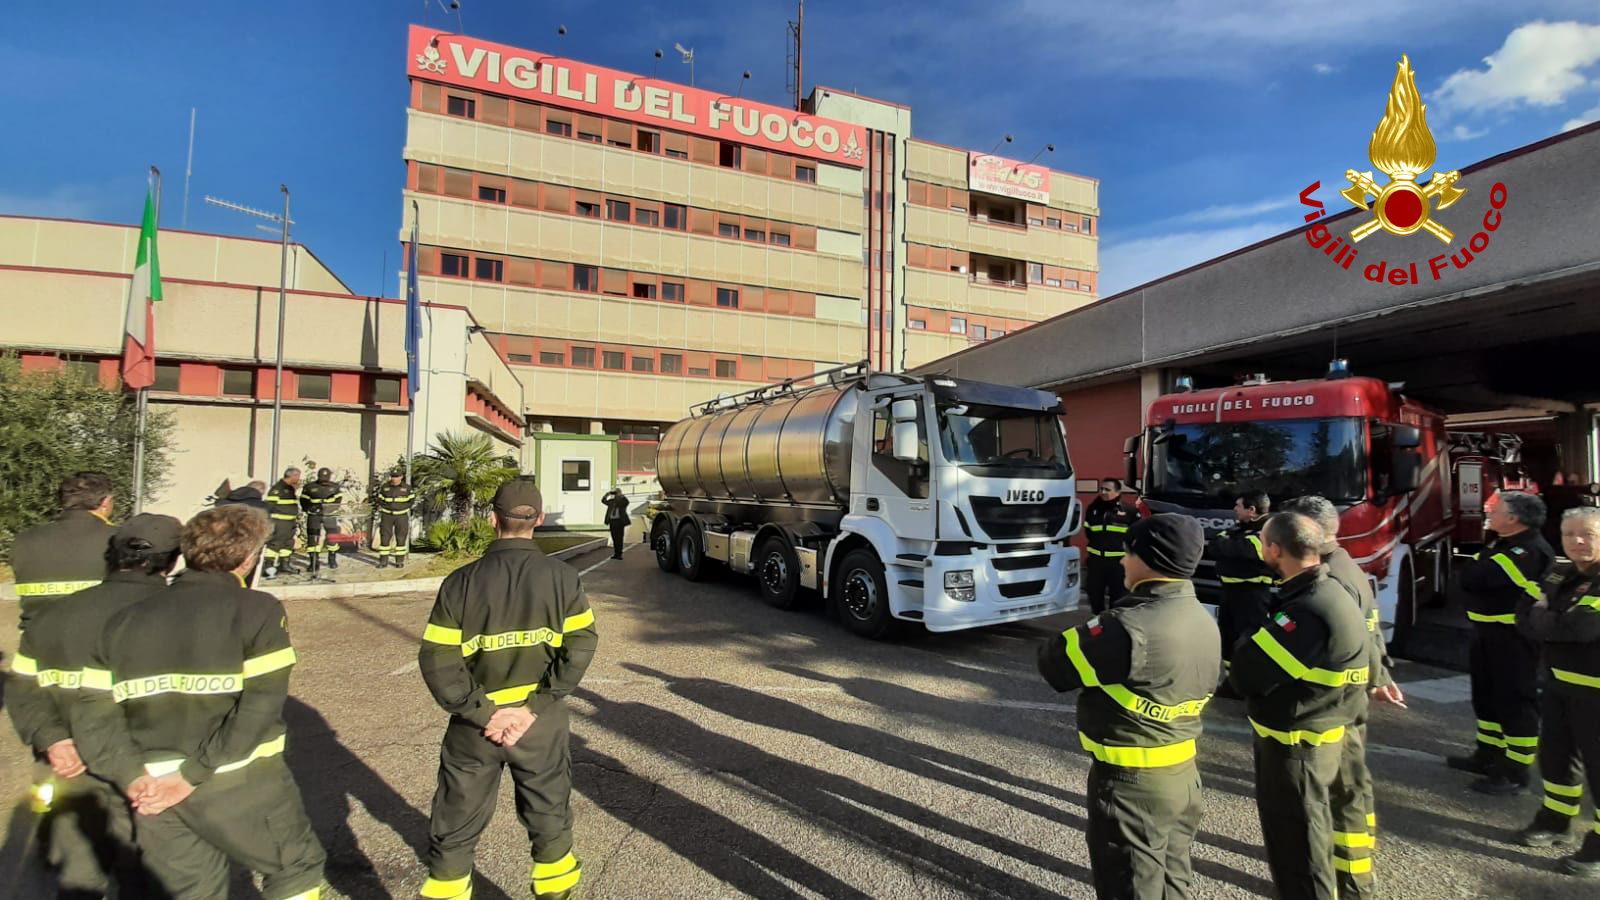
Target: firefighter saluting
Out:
[321,501]
[1106,521]
[394,520]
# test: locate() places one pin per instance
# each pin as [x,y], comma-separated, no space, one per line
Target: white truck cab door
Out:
[898,491]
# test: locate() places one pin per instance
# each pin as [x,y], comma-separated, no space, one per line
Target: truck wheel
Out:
[1405,609]
[661,543]
[778,572]
[691,552]
[861,595]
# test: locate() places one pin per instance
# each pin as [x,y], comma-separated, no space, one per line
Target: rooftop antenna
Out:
[688,57]
[796,73]
[188,171]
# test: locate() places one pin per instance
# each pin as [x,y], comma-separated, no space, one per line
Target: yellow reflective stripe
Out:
[1575,677]
[1086,672]
[1523,758]
[96,679]
[1591,602]
[1491,740]
[1094,528]
[562,866]
[1563,790]
[510,640]
[1139,757]
[1107,553]
[1522,741]
[24,665]
[1372,820]
[1502,619]
[1354,839]
[273,747]
[1255,542]
[1486,725]
[452,889]
[1517,578]
[1297,736]
[49,588]
[1144,706]
[286,518]
[177,683]
[313,894]
[507,696]
[581,620]
[1566,809]
[439,634]
[1259,579]
[1353,866]
[1372,621]
[269,662]
[64,679]
[1117,529]
[1302,672]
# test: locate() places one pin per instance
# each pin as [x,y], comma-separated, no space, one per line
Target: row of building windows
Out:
[523,350]
[995,270]
[976,328]
[576,277]
[562,200]
[996,210]
[209,380]
[529,116]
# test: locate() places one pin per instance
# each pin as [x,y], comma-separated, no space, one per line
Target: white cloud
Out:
[1540,64]
[1223,213]
[1463,133]
[1590,115]
[65,202]
[1323,69]
[1127,264]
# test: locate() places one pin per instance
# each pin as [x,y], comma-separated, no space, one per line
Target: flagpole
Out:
[283,302]
[142,396]
[411,389]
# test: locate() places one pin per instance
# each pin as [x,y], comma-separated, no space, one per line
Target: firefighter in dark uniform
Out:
[1106,523]
[182,708]
[87,826]
[1567,626]
[283,509]
[394,520]
[1243,571]
[1304,678]
[616,504]
[66,555]
[320,499]
[1504,662]
[1146,667]
[508,638]
[1355,816]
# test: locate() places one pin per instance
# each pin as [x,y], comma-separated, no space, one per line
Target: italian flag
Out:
[138,345]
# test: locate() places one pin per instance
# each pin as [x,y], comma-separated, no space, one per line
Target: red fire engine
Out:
[1382,458]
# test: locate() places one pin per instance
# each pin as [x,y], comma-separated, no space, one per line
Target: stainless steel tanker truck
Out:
[933,500]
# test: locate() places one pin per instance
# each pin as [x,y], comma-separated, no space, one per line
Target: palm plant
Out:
[460,473]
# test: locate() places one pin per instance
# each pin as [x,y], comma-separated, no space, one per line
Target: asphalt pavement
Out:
[724,749]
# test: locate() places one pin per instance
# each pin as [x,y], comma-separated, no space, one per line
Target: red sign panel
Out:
[1008,178]
[499,69]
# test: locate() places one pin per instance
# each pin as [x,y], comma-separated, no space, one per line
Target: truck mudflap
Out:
[1009,583]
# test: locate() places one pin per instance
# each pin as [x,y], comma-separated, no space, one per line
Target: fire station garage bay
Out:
[1498,330]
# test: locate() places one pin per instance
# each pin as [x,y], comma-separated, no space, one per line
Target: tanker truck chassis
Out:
[932,500]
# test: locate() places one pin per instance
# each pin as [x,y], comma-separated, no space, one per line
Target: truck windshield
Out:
[1004,439]
[1210,464]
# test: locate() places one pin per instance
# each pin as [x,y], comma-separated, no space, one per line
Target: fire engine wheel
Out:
[691,552]
[778,572]
[861,595]
[661,543]
[1405,609]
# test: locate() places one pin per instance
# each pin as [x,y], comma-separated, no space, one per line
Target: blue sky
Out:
[1203,120]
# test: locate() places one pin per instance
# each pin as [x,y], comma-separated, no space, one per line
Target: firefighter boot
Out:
[1548,829]
[1504,780]
[1586,862]
[333,559]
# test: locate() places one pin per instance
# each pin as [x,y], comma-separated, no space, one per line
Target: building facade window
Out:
[585,278]
[166,378]
[586,209]
[671,363]
[618,210]
[727,368]
[958,325]
[647,217]
[730,156]
[979,333]
[583,357]
[675,217]
[309,386]
[490,194]
[613,359]
[453,265]
[728,297]
[807,174]
[780,239]
[384,390]
[644,290]
[644,364]
[552,358]
[1035,273]
[728,229]
[485,269]
[918,324]
[552,126]
[465,107]
[672,291]
[239,382]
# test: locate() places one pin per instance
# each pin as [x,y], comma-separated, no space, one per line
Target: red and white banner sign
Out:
[1008,178]
[499,69]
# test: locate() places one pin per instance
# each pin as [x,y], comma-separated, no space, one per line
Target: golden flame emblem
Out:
[1402,147]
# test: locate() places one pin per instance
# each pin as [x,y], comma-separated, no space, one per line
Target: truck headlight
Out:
[958,585]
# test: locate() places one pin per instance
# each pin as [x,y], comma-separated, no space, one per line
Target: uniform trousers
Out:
[394,535]
[1569,752]
[252,816]
[1103,580]
[87,836]
[318,528]
[470,767]
[1505,693]
[280,546]
[1141,824]
[1355,818]
[1293,798]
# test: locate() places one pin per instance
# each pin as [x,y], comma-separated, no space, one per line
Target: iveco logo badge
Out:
[1015,496]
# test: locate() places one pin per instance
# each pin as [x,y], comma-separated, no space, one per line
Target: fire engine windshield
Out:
[1210,464]
[1006,441]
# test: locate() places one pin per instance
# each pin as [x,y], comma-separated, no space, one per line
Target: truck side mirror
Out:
[903,411]
[1407,471]
[906,445]
[1406,436]
[1130,454]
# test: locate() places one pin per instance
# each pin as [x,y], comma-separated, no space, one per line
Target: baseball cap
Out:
[518,499]
[160,533]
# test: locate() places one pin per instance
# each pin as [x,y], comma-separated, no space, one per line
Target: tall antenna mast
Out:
[188,171]
[796,80]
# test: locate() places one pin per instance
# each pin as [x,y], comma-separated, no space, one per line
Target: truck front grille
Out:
[1013,563]
[1015,521]
[1021,589]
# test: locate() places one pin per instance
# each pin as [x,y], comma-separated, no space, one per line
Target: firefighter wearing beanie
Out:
[1145,669]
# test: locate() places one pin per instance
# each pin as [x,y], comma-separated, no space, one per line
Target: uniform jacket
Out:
[283,502]
[1567,625]
[1343,569]
[1106,523]
[1147,667]
[322,498]
[56,647]
[395,499]
[1304,674]
[616,509]
[513,627]
[1506,572]
[59,558]
[191,679]
[1241,566]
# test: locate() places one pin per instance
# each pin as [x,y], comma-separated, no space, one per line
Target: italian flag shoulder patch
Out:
[1094,627]
[1283,621]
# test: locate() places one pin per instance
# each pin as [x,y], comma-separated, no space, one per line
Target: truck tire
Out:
[777,571]
[1405,609]
[661,542]
[861,595]
[691,552]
